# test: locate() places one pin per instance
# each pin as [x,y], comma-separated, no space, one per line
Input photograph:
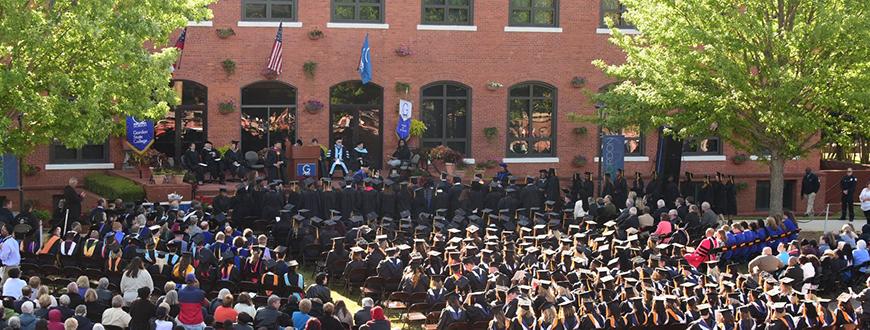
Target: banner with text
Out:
[612,154]
[8,172]
[140,134]
[403,127]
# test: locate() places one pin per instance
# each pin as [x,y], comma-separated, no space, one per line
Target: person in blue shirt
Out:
[790,225]
[860,255]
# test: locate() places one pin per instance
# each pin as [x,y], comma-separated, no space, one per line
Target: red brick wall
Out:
[470,58]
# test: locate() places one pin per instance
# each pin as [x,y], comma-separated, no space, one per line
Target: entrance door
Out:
[356,115]
[184,124]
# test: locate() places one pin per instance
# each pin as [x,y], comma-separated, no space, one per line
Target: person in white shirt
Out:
[865,201]
[14,284]
[10,256]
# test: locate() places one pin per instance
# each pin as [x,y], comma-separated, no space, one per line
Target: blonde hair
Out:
[549,315]
[83,282]
[305,305]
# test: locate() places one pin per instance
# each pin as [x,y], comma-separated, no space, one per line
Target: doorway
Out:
[268,115]
[185,123]
[356,115]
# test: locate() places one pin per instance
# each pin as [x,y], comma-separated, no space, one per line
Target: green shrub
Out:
[41,214]
[112,187]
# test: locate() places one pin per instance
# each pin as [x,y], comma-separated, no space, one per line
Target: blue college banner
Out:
[365,62]
[8,172]
[140,134]
[403,127]
[612,153]
[306,169]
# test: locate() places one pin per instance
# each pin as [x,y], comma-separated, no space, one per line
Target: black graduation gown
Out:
[404,200]
[388,204]
[347,202]
[608,189]
[731,199]
[638,187]
[508,202]
[273,201]
[720,199]
[441,201]
[492,199]
[620,192]
[73,203]
[221,204]
[530,197]
[453,198]
[652,191]
[476,199]
[370,202]
[327,200]
[274,171]
[553,190]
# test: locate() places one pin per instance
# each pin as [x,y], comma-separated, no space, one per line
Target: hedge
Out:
[113,187]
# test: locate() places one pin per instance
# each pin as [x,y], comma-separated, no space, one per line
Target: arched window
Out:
[186,123]
[268,115]
[445,109]
[355,112]
[531,120]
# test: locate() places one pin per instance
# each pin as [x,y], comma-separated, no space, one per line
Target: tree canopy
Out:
[775,78]
[73,69]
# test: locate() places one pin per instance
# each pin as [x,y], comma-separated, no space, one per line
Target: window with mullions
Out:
[445,111]
[634,143]
[89,153]
[534,12]
[615,10]
[358,11]
[531,126]
[707,146]
[269,10]
[450,12]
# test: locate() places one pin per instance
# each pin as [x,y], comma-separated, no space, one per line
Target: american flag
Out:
[275,57]
[179,44]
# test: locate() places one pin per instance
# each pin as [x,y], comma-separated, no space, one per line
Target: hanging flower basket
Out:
[229,66]
[493,85]
[225,33]
[578,82]
[579,161]
[315,34]
[739,159]
[404,50]
[312,106]
[226,107]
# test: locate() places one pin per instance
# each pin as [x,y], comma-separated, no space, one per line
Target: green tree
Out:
[774,78]
[73,69]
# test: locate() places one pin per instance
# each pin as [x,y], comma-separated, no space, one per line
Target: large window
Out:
[707,146]
[269,10]
[452,12]
[531,125]
[268,115]
[445,111]
[89,153]
[358,11]
[534,12]
[634,144]
[615,10]
[184,124]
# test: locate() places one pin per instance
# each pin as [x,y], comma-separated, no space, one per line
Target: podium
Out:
[303,162]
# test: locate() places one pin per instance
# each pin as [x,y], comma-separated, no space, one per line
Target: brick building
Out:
[456,49]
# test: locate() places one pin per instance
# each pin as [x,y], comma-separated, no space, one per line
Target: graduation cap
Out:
[282,249]
[844,297]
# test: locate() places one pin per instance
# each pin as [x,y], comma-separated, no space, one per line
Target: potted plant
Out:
[580,130]
[315,34]
[493,85]
[310,68]
[178,176]
[490,132]
[159,176]
[312,106]
[229,66]
[225,33]
[579,161]
[404,50]
[578,82]
[226,107]
[740,159]
[449,156]
[418,128]
[403,87]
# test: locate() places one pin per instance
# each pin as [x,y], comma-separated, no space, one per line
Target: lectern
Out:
[303,163]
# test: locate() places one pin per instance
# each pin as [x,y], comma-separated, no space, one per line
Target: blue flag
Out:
[140,134]
[365,62]
[612,153]
[403,126]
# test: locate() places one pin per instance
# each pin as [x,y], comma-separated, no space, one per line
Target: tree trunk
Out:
[777,182]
